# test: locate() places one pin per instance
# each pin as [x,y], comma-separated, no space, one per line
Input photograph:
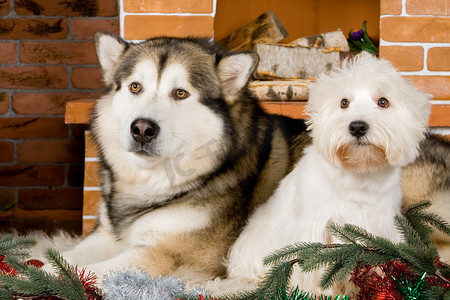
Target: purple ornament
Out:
[357,35]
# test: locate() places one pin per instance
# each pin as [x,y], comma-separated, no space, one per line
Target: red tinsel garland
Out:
[89,282]
[5,267]
[87,279]
[382,282]
[377,284]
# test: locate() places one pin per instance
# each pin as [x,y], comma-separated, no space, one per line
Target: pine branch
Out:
[342,233]
[373,258]
[5,294]
[332,254]
[364,248]
[10,246]
[275,282]
[409,235]
[291,251]
[329,275]
[417,217]
[32,281]
[371,242]
[72,287]
[23,286]
[416,208]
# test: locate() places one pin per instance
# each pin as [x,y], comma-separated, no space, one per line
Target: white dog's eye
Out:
[180,94]
[344,103]
[135,87]
[383,102]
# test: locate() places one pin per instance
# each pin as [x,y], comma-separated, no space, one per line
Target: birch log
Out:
[288,61]
[324,40]
[278,90]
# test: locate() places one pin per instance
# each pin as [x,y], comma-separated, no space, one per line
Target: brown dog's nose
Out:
[144,130]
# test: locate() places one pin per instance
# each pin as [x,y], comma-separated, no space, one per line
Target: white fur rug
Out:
[61,241]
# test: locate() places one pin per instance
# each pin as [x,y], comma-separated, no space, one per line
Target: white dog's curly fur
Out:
[366,122]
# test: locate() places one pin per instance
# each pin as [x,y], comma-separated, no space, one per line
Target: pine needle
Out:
[72,288]
[329,276]
[418,218]
[289,252]
[10,246]
[408,233]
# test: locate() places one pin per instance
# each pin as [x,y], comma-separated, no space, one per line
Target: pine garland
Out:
[415,257]
[409,270]
[21,278]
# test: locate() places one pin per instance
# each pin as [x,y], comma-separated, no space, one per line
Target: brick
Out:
[37,127]
[33,77]
[57,151]
[75,175]
[404,58]
[46,103]
[4,7]
[49,221]
[90,146]
[168,6]
[91,202]
[429,7]
[91,174]
[6,151]
[8,51]
[390,7]
[440,116]
[85,29]
[415,29]
[4,103]
[58,53]
[7,199]
[438,86]
[26,28]
[87,78]
[67,8]
[51,198]
[138,27]
[26,175]
[438,59]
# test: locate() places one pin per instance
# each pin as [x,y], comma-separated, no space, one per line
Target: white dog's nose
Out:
[358,128]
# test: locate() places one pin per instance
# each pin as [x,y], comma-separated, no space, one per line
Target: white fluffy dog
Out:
[366,123]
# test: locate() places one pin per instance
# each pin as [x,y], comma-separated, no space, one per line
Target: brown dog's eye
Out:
[383,102]
[344,103]
[180,94]
[135,87]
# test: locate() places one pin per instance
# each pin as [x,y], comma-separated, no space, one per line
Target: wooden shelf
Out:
[79,111]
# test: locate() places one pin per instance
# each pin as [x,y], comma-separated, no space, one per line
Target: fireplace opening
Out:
[300,18]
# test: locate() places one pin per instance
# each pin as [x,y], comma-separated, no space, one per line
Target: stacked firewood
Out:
[284,70]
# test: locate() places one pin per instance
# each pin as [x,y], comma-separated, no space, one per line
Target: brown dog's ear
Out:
[235,71]
[109,50]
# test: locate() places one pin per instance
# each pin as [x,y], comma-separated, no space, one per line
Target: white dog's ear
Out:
[109,49]
[235,71]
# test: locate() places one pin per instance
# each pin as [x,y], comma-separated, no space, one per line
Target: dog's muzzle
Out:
[358,128]
[144,131]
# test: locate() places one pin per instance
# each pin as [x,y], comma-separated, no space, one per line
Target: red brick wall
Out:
[47,58]
[415,36]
